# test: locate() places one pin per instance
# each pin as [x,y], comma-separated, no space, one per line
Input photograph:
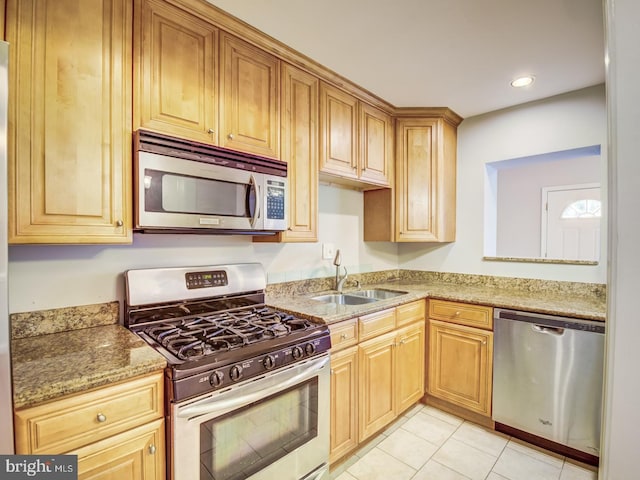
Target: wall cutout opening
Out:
[518,224]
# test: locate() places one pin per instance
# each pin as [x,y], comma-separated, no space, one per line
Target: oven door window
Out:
[239,444]
[169,192]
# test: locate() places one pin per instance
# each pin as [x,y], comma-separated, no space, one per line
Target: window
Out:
[583,209]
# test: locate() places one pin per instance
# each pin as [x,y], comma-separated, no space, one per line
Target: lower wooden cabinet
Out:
[376,380]
[377,372]
[136,454]
[344,432]
[460,365]
[391,376]
[117,431]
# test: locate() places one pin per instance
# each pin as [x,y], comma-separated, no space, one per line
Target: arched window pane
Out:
[583,209]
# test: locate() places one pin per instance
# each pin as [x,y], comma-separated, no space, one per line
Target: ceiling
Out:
[460,54]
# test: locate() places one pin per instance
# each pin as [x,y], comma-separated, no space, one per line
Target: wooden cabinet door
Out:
[69,132]
[410,361]
[425,180]
[175,76]
[138,454]
[376,145]
[416,178]
[376,374]
[300,150]
[344,433]
[460,365]
[338,127]
[250,104]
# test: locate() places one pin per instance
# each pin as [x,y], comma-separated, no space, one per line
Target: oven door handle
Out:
[254,392]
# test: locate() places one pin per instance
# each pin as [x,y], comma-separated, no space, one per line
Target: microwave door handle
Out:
[255,187]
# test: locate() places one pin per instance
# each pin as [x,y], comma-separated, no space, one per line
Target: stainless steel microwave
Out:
[184,186]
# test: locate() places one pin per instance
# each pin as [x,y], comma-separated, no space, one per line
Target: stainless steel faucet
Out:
[337,261]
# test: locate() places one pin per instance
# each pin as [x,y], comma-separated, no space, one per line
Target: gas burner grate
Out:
[193,337]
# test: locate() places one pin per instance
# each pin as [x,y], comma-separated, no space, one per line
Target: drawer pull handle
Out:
[101,418]
[457,314]
[343,336]
[152,449]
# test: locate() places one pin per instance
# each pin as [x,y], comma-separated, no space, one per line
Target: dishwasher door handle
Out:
[557,331]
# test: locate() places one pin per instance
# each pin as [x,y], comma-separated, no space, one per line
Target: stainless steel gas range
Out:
[247,385]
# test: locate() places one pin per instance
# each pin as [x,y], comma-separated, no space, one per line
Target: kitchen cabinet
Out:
[299,148]
[422,206]
[116,431]
[338,126]
[344,388]
[356,140]
[460,356]
[249,112]
[376,145]
[176,72]
[69,121]
[344,433]
[377,371]
[391,375]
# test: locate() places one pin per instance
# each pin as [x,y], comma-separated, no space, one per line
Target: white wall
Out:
[519,203]
[564,122]
[42,277]
[622,387]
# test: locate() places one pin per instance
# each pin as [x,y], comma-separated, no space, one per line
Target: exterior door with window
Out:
[571,222]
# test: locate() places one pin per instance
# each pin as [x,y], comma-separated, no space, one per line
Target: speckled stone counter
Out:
[569,299]
[49,366]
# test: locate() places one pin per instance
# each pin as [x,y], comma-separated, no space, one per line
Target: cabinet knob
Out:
[211,130]
[231,136]
[457,314]
[119,223]
[333,372]
[343,336]
[101,418]
[152,449]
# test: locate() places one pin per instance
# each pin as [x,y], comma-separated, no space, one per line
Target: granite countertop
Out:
[575,305]
[46,367]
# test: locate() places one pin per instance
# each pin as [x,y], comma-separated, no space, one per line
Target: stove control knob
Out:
[235,373]
[310,349]
[216,379]
[297,353]
[269,362]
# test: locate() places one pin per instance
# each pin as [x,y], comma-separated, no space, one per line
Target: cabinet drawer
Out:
[462,313]
[410,312]
[344,334]
[78,420]
[376,323]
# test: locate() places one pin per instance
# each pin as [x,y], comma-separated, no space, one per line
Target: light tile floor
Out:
[428,444]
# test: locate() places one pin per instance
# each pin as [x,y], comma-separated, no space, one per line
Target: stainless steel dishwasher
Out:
[547,377]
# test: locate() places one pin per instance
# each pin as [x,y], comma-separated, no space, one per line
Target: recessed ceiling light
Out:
[523,81]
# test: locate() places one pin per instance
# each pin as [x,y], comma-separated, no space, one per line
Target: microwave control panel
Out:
[275,193]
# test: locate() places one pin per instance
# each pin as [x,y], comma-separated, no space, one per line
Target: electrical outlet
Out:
[328,251]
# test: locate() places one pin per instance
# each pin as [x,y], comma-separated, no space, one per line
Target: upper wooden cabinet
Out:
[69,132]
[249,112]
[376,145]
[423,207]
[356,140]
[338,123]
[176,72]
[299,148]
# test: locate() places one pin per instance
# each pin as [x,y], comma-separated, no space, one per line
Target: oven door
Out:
[276,426]
[180,193]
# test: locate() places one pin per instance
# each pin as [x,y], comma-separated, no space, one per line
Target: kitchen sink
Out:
[343,299]
[377,293]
